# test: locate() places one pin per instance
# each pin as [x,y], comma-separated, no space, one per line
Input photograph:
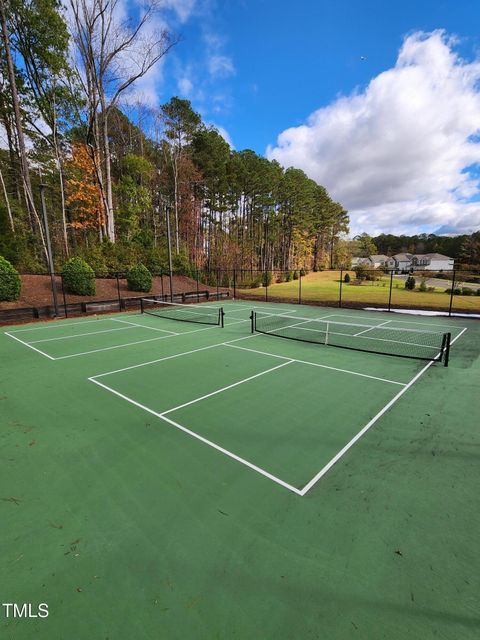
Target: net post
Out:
[142,308]
[446,353]
[252,322]
[390,292]
[326,332]
[451,294]
[222,316]
[340,294]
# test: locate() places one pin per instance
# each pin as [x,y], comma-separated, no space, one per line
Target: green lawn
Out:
[324,287]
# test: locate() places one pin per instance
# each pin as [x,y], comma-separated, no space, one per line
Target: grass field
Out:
[324,286]
[168,480]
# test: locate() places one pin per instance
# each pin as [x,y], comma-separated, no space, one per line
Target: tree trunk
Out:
[7,202]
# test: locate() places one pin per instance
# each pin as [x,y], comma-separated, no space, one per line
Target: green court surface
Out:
[171,480]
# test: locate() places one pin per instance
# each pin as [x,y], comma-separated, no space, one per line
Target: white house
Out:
[402,261]
[431,262]
[378,261]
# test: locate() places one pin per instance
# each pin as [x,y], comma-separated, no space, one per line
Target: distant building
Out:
[431,262]
[404,262]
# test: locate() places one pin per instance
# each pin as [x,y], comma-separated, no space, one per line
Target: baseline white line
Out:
[315,364]
[29,346]
[342,452]
[59,323]
[144,326]
[129,344]
[230,386]
[400,321]
[79,335]
[201,438]
[370,328]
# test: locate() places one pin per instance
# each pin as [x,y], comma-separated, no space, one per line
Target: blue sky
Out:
[278,77]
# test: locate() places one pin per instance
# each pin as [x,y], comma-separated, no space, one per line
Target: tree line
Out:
[115,173]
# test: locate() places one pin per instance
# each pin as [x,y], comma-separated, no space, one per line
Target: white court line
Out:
[59,323]
[342,452]
[315,364]
[80,335]
[230,386]
[372,327]
[129,344]
[28,345]
[144,326]
[201,438]
[401,321]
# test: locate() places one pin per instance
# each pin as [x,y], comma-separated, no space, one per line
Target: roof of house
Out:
[380,256]
[433,256]
[403,257]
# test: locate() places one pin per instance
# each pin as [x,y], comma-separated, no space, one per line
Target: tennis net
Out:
[203,314]
[392,341]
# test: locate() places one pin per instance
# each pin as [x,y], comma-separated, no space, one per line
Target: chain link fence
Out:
[450,292]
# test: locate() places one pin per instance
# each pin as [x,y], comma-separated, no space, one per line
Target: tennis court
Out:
[245,470]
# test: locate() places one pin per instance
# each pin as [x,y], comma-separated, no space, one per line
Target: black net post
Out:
[390,291]
[252,321]
[161,280]
[222,318]
[118,292]
[64,297]
[446,353]
[300,287]
[451,294]
[340,292]
[198,293]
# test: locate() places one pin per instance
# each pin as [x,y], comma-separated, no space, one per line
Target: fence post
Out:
[266,286]
[300,287]
[390,292]
[161,279]
[234,284]
[340,296]
[451,294]
[198,295]
[64,298]
[118,293]
[218,291]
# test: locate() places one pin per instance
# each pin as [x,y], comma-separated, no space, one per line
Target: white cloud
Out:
[395,154]
[183,8]
[220,66]
[185,86]
[224,133]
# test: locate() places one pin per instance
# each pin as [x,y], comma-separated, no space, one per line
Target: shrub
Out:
[295,275]
[10,282]
[256,282]
[431,289]
[78,277]
[281,277]
[181,265]
[303,272]
[315,269]
[226,280]
[361,272]
[139,278]
[346,277]
[466,291]
[410,283]
[423,286]
[212,279]
[288,276]
[457,291]
[267,278]
[477,293]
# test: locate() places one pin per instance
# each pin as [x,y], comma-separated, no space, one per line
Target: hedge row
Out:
[10,282]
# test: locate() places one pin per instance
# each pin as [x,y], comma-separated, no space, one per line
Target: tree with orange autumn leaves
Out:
[83,192]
